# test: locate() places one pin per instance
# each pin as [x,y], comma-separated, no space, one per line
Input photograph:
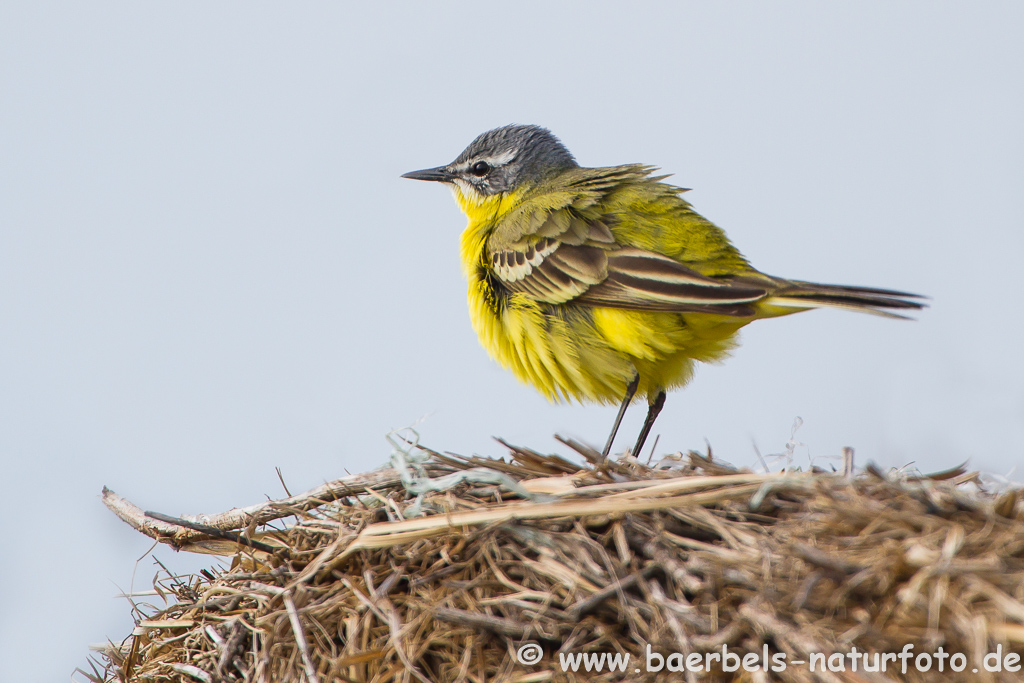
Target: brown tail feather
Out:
[865,299]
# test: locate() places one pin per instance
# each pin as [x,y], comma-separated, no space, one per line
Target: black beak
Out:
[438,174]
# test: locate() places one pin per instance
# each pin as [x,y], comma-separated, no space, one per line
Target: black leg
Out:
[652,415]
[630,390]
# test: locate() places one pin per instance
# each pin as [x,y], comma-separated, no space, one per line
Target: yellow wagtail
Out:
[597,284]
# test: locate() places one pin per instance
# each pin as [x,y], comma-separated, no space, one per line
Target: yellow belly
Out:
[591,354]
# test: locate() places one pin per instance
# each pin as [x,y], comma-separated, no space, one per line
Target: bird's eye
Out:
[480,169]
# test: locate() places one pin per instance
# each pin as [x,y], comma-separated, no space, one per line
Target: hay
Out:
[445,568]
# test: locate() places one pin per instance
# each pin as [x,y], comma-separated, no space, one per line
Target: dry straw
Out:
[442,568]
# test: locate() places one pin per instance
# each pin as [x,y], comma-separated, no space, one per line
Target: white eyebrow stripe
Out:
[500,159]
[493,161]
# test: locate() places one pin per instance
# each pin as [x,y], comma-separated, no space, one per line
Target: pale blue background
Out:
[209,266]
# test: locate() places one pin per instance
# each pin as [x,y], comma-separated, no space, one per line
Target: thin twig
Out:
[212,531]
[509,628]
[588,605]
[300,638]
[260,513]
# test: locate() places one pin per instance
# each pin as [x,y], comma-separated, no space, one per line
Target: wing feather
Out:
[588,265]
[648,265]
[599,233]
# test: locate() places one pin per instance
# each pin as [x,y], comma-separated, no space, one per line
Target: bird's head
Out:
[500,162]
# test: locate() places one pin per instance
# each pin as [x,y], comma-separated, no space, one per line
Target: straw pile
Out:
[445,569]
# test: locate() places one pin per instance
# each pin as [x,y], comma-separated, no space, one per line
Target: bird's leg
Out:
[652,415]
[630,390]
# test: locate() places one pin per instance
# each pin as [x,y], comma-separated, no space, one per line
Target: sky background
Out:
[209,266]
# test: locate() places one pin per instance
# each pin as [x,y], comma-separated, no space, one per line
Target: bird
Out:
[603,284]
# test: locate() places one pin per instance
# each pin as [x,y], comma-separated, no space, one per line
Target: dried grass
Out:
[370,582]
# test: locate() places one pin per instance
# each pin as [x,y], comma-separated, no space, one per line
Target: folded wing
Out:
[644,280]
[597,272]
